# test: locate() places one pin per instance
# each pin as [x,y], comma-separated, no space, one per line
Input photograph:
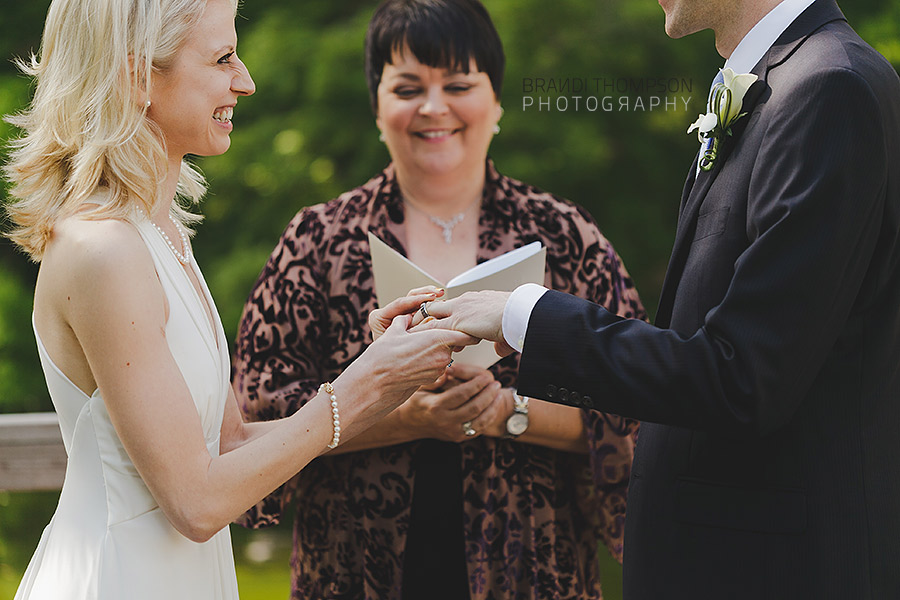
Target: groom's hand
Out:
[480,314]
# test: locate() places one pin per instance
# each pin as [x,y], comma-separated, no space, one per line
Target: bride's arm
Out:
[389,430]
[114,303]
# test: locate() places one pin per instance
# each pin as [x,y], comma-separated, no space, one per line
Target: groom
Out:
[768,463]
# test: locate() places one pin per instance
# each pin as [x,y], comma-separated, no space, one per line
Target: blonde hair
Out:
[86,127]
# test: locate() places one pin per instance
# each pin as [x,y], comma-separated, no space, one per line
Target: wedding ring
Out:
[423,310]
[467,428]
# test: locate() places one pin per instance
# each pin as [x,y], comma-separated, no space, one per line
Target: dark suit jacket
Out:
[769,462]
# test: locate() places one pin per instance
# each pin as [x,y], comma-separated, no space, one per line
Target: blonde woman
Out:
[132,347]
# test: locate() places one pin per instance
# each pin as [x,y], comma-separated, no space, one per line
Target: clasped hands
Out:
[479,314]
[465,401]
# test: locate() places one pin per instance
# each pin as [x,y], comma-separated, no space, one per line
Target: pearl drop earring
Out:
[381,136]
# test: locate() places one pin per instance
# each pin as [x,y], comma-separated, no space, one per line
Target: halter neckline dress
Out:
[108,539]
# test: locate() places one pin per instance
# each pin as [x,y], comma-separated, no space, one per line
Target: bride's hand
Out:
[393,367]
[380,318]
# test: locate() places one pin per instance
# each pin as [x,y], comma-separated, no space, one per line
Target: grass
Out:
[270,582]
[610,575]
[262,562]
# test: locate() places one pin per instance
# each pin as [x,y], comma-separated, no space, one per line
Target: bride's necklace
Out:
[183,256]
[446,225]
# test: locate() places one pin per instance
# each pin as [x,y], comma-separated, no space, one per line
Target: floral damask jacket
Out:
[533,516]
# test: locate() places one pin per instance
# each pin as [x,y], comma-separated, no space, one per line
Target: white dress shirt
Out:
[759,39]
[748,52]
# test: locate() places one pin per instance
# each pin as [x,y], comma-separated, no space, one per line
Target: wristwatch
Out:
[517,422]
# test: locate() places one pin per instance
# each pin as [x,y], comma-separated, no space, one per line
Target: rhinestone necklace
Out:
[446,225]
[184,257]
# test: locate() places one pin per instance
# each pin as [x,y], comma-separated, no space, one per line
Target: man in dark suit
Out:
[768,461]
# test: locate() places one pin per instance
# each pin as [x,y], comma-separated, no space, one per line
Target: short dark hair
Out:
[440,33]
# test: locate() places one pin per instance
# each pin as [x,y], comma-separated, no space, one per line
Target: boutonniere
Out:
[722,110]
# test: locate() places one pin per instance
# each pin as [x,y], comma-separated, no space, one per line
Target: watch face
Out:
[517,424]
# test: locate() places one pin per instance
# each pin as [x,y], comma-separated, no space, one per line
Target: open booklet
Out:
[395,275]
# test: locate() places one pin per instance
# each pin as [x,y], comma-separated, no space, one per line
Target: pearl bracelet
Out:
[336,417]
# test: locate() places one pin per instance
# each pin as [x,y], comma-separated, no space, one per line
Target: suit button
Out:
[551,391]
[563,395]
[587,402]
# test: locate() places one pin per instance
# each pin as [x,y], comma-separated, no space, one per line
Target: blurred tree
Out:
[308,133]
[22,386]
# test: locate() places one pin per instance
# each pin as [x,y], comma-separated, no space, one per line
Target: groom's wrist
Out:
[517,313]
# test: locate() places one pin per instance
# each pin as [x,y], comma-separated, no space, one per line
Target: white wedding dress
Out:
[108,539]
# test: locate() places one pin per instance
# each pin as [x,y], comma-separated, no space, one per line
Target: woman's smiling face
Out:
[193,100]
[435,121]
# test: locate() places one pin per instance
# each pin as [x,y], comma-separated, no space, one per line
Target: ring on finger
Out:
[423,310]
[467,429]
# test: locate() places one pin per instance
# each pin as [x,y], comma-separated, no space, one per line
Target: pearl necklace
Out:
[184,257]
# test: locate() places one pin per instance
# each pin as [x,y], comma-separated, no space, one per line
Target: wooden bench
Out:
[32,455]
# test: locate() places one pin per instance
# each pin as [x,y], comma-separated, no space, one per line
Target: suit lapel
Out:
[817,15]
[695,189]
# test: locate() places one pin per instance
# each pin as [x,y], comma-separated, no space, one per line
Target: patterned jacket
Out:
[533,516]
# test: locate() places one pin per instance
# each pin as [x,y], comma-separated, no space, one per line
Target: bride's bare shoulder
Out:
[79,242]
[104,255]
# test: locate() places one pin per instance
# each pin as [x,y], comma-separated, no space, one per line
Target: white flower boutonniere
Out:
[724,108]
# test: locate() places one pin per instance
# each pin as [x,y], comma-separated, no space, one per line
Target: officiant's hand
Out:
[469,400]
[380,318]
[480,314]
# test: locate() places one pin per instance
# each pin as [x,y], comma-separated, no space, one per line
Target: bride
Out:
[131,344]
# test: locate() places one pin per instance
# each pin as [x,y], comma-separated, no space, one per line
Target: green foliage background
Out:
[308,134]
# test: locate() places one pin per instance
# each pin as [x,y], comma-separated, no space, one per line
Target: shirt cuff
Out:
[517,313]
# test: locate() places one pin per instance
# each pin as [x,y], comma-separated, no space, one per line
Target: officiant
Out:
[467,490]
